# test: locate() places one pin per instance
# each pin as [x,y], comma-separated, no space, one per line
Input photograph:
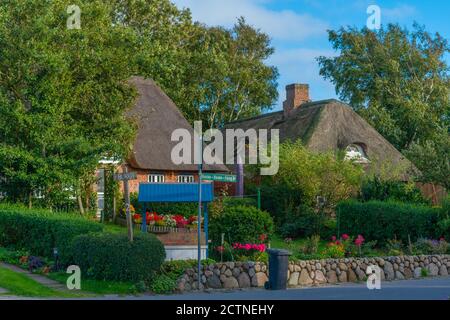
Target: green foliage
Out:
[163,284]
[444,228]
[64,109]
[105,256]
[241,224]
[398,81]
[395,78]
[383,190]
[310,175]
[302,222]
[381,221]
[39,231]
[432,158]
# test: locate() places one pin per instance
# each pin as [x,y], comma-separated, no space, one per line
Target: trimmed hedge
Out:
[110,256]
[39,231]
[241,224]
[382,221]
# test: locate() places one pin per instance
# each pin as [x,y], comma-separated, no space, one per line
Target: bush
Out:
[39,231]
[241,224]
[444,229]
[380,221]
[305,222]
[108,256]
[383,190]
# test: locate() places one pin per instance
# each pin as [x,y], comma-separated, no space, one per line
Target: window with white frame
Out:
[156,178]
[185,178]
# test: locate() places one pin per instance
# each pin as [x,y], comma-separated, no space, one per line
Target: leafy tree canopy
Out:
[399,82]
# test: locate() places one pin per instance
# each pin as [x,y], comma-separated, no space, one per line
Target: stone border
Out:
[234,275]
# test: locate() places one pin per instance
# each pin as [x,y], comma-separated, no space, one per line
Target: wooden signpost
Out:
[125,177]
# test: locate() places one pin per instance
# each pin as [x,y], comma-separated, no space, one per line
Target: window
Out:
[185,178]
[356,153]
[156,178]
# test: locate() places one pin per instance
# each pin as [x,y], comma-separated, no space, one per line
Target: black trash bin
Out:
[278,268]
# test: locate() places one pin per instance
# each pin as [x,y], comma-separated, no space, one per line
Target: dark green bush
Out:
[382,221]
[377,189]
[277,199]
[107,256]
[39,231]
[444,228]
[241,224]
[305,222]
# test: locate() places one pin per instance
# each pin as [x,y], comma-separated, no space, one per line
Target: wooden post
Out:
[127,206]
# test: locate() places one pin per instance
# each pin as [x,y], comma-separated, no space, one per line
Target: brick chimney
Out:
[296,95]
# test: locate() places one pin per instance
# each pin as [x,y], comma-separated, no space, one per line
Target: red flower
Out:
[333,238]
[345,236]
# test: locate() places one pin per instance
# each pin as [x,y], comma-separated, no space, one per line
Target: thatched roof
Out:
[328,125]
[157,117]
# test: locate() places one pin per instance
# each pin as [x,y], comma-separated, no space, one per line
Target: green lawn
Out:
[97,286]
[20,285]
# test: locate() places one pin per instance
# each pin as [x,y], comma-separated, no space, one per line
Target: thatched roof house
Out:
[326,125]
[157,116]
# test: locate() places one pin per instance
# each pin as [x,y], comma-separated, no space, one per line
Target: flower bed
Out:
[166,223]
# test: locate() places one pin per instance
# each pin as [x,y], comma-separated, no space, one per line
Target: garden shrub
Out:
[241,224]
[381,221]
[108,256]
[383,190]
[444,228]
[305,222]
[40,231]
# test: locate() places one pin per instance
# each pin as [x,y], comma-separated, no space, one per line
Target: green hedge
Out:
[110,256]
[39,231]
[382,221]
[241,224]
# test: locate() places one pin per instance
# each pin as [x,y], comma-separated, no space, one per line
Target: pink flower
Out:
[338,242]
[333,238]
[359,240]
[441,239]
[248,246]
[345,236]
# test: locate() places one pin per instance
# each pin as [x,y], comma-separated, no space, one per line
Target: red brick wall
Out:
[180,238]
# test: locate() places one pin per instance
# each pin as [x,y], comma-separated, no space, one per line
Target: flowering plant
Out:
[249,246]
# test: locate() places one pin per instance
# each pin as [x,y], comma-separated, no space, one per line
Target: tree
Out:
[432,158]
[212,74]
[310,175]
[396,79]
[63,95]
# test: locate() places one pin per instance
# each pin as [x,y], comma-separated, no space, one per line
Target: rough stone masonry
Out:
[234,275]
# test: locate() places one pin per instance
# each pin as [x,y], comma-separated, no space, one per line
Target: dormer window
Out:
[356,153]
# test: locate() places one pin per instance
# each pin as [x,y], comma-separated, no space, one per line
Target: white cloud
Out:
[280,25]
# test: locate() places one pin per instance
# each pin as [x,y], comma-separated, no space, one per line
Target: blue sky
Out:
[298,28]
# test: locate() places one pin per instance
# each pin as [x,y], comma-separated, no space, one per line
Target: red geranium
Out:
[345,236]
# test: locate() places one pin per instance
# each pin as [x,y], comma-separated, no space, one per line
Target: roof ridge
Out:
[264,115]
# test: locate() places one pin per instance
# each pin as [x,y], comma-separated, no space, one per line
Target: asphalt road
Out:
[423,289]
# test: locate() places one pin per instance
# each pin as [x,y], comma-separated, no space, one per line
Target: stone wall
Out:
[233,275]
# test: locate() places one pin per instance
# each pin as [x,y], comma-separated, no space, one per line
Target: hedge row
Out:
[40,231]
[382,221]
[106,256]
[100,255]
